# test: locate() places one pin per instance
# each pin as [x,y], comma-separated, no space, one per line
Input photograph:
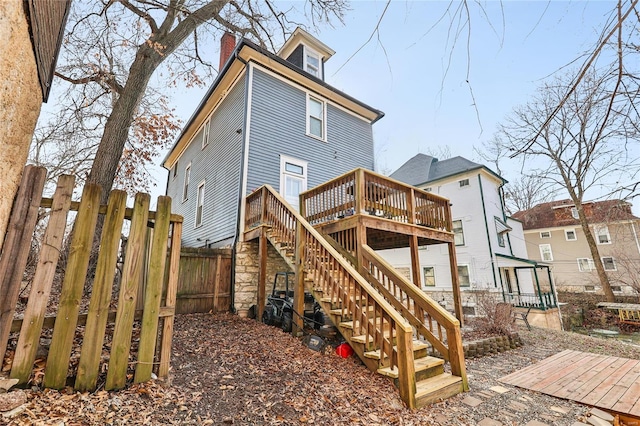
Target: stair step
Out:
[417,346]
[347,324]
[426,363]
[437,388]
[336,311]
[389,372]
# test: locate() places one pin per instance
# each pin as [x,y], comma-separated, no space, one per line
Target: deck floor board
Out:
[602,381]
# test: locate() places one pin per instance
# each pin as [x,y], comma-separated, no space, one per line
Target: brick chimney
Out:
[227,44]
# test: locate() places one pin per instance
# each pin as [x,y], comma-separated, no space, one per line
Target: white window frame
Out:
[461,233]
[199,212]
[463,183]
[566,234]
[205,133]
[542,248]
[186,182]
[543,236]
[613,260]
[284,174]
[468,275]
[589,264]
[305,63]
[323,125]
[424,281]
[597,229]
[574,213]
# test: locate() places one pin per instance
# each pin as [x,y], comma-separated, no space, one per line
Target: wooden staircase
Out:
[392,326]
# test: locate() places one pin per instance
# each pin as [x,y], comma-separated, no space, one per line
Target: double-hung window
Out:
[312,62]
[574,213]
[293,179]
[429,275]
[545,252]
[570,234]
[185,186]
[463,275]
[609,263]
[200,205]
[585,265]
[315,118]
[458,232]
[602,234]
[205,134]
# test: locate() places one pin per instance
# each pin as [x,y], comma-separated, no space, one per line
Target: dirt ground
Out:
[230,370]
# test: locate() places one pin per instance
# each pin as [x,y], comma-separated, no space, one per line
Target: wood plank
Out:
[17,243]
[538,370]
[612,397]
[55,375]
[628,399]
[89,364]
[608,384]
[406,367]
[34,314]
[170,301]
[569,371]
[131,276]
[128,213]
[592,377]
[262,274]
[157,260]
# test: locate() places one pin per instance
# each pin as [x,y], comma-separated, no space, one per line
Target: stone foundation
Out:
[247,268]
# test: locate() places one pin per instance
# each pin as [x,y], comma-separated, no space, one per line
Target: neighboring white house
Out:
[490,247]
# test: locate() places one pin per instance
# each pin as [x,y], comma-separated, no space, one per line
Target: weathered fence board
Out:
[170,300]
[131,277]
[42,281]
[17,243]
[55,375]
[204,283]
[88,368]
[155,280]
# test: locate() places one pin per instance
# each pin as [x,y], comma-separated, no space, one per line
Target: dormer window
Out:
[312,62]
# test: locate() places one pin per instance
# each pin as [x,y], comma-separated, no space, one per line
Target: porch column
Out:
[553,290]
[455,281]
[535,273]
[262,272]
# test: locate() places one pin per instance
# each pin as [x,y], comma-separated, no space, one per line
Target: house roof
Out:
[247,51]
[558,213]
[300,36]
[422,169]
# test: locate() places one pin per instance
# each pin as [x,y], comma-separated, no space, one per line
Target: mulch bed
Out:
[230,370]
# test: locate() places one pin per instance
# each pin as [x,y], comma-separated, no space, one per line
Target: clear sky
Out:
[415,68]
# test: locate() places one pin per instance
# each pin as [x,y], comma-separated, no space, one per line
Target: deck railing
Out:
[365,192]
[542,301]
[429,320]
[373,317]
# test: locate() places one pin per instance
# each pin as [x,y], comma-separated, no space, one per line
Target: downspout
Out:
[486,227]
[245,141]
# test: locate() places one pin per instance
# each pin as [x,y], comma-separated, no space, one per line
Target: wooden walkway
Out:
[606,382]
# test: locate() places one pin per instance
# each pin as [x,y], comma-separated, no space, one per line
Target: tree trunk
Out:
[116,129]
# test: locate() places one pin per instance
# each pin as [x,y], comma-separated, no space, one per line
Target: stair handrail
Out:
[262,204]
[415,299]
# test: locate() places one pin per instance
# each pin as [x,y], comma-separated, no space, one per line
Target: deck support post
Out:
[262,272]
[406,367]
[455,282]
[298,296]
[415,260]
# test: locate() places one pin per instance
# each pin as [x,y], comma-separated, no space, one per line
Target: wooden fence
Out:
[204,283]
[151,260]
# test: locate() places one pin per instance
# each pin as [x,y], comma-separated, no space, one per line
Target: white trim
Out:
[596,230]
[566,235]
[284,160]
[198,202]
[542,253]
[206,133]
[323,103]
[186,181]
[246,134]
[307,90]
[590,265]
[464,242]
[435,281]
[613,260]
[309,51]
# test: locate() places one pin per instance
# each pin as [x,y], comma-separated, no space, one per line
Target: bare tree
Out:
[581,147]
[113,49]
[527,191]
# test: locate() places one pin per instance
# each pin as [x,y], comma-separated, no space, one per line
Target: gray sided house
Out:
[267,119]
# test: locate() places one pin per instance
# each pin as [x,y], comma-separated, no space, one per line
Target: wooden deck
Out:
[606,382]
